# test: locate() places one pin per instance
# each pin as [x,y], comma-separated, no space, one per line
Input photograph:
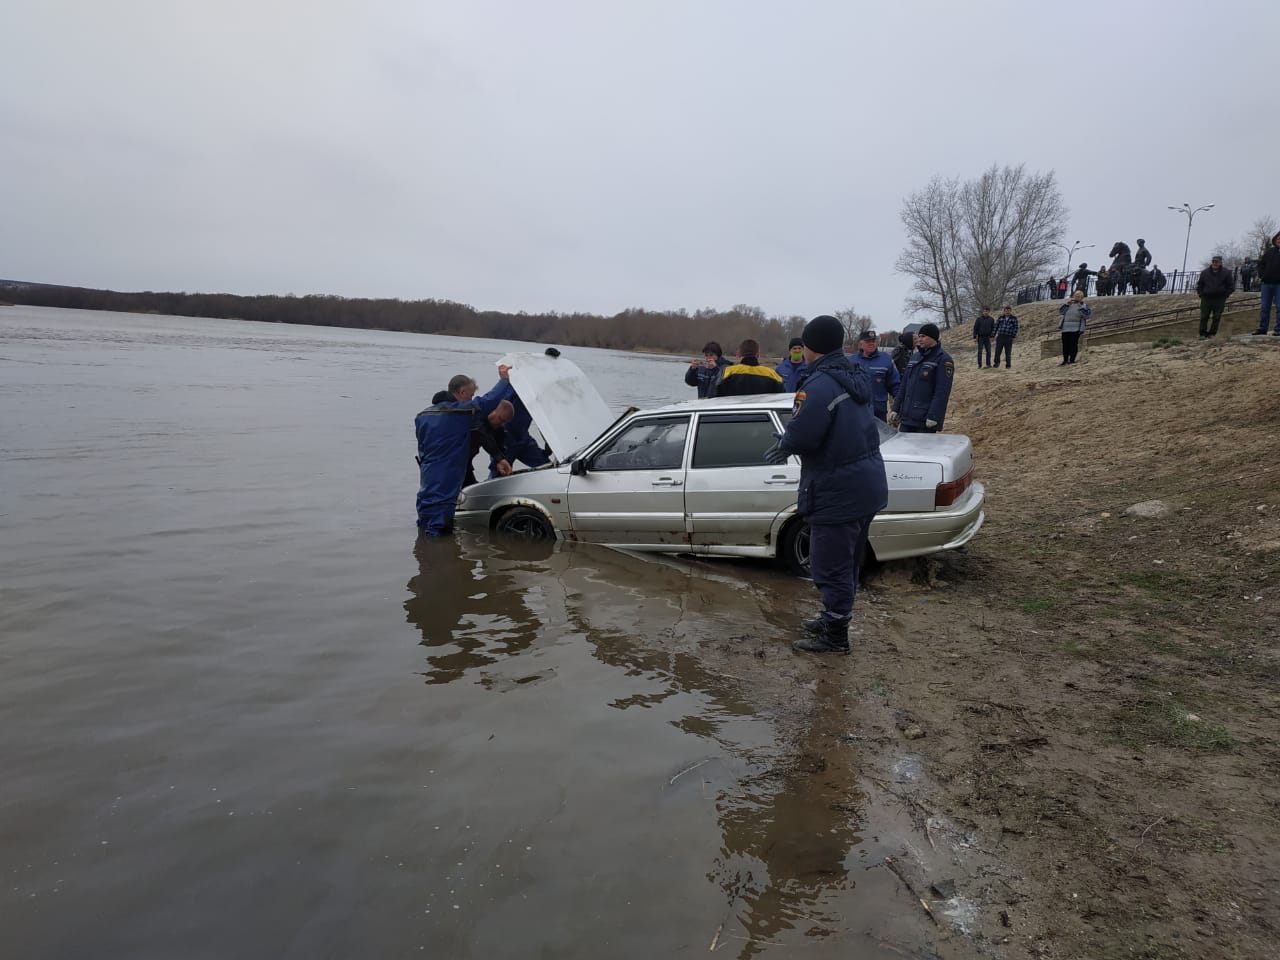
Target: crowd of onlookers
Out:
[1134,273]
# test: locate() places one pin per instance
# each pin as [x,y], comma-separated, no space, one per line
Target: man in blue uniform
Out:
[920,405]
[793,368]
[444,448]
[842,478]
[879,369]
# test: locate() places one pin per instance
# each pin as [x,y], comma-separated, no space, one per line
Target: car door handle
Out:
[666,482]
[782,480]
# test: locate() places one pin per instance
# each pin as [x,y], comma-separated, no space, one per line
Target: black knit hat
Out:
[824,334]
[930,330]
[795,342]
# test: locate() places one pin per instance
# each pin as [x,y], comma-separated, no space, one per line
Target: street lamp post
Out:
[1191,215]
[1071,251]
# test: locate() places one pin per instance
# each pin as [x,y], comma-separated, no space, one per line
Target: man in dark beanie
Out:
[842,478]
[792,369]
[921,402]
[702,373]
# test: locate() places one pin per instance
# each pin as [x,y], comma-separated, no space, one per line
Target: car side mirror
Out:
[578,468]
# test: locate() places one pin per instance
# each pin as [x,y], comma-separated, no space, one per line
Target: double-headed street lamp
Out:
[1071,251]
[1191,215]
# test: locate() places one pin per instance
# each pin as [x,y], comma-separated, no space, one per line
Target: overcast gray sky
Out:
[597,155]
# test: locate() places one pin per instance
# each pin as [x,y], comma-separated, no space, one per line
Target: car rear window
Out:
[732,440]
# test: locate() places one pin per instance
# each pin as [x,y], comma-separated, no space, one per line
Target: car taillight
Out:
[948,493]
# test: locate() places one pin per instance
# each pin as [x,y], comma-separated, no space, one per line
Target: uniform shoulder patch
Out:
[950,368]
[799,402]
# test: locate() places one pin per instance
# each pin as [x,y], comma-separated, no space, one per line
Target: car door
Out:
[631,490]
[732,496]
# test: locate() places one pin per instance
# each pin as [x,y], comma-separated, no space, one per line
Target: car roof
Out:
[755,401]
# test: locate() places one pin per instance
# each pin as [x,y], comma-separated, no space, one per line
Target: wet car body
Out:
[690,478]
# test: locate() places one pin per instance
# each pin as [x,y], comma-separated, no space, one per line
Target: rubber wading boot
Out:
[833,637]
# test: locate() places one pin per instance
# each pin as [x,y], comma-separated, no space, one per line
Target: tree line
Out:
[639,329]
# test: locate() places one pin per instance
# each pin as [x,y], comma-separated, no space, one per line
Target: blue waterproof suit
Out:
[444,447]
[842,478]
[879,367]
[792,373]
[925,389]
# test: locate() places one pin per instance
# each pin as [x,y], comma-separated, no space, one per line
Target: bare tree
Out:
[974,244]
[854,323]
[931,257]
[1254,240]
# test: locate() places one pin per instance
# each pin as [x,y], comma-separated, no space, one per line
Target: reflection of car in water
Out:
[690,478]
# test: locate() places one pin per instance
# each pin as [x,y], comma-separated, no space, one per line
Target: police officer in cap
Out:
[920,405]
[842,478]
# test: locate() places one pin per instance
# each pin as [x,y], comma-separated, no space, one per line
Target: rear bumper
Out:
[896,535]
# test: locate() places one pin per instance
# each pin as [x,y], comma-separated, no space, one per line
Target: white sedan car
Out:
[690,478]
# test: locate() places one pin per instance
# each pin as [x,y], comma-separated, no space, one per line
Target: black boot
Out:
[811,625]
[831,637]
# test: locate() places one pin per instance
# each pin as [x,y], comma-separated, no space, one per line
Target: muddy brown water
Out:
[245,712]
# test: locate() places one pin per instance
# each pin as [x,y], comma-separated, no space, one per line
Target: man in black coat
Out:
[984,328]
[1269,275]
[1214,286]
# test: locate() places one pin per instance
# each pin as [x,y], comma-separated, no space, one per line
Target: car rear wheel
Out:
[525,523]
[793,551]
[793,548]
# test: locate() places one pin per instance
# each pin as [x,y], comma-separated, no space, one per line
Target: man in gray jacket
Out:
[1074,316]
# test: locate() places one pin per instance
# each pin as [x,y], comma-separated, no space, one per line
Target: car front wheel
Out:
[526,524]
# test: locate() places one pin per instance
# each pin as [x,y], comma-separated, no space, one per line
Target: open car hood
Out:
[566,407]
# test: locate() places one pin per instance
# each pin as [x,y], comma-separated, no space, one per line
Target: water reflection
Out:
[470,612]
[711,644]
[788,818]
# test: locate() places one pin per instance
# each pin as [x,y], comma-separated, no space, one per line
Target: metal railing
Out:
[1178,281]
[1168,315]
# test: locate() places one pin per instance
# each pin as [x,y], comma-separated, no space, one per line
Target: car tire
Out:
[793,551]
[793,548]
[525,523]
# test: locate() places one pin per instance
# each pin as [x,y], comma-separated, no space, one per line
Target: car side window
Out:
[653,444]
[732,440]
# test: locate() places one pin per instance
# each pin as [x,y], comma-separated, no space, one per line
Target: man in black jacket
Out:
[984,328]
[747,376]
[702,373]
[1214,286]
[1269,275]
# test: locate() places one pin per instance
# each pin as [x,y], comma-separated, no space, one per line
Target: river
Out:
[245,713]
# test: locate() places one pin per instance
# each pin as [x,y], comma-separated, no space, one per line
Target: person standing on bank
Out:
[1269,277]
[702,373]
[1006,333]
[880,369]
[984,329]
[902,353]
[747,376]
[1214,286]
[842,478]
[1073,317]
[793,368]
[920,405]
[444,448]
